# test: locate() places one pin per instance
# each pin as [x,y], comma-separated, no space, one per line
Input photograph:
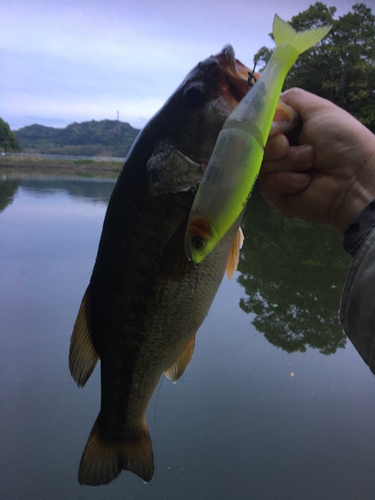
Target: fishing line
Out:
[149,484]
[160,383]
[193,286]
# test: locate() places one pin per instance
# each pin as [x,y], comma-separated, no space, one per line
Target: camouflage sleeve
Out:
[357,311]
[359,229]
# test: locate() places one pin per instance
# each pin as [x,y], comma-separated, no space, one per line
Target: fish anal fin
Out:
[103,460]
[175,371]
[82,354]
[234,256]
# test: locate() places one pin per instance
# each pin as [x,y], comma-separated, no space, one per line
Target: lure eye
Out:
[197,243]
[195,94]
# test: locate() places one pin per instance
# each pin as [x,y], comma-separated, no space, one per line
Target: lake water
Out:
[275,404]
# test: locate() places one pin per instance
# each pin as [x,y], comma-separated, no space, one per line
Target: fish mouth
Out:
[236,73]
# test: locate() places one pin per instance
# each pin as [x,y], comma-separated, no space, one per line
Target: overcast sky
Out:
[75,60]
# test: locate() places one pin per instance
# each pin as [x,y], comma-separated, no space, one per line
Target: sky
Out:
[65,61]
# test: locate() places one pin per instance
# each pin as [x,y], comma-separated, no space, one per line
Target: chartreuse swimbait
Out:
[238,153]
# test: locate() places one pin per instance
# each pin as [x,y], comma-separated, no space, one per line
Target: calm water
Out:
[275,404]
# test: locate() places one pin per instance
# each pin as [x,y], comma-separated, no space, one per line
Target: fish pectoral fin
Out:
[82,354]
[234,256]
[103,460]
[170,171]
[175,371]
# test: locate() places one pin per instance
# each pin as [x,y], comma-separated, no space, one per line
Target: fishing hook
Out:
[252,77]
[193,286]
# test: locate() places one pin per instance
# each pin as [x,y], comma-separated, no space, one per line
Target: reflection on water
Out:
[247,420]
[293,274]
[7,191]
[93,191]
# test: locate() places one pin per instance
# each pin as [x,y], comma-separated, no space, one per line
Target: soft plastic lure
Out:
[238,153]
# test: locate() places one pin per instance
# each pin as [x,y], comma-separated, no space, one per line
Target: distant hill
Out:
[93,138]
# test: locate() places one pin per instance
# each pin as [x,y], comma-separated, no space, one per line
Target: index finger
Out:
[303,102]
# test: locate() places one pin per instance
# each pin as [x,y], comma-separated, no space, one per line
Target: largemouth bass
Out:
[146,300]
[238,154]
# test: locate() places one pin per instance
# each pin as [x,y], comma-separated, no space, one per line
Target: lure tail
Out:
[284,33]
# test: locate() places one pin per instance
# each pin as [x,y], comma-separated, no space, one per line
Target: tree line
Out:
[91,138]
[341,67]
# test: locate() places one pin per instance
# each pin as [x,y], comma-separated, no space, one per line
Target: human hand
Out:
[329,177]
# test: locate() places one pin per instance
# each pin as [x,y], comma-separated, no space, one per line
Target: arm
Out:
[357,315]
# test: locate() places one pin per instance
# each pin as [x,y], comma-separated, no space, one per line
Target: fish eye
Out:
[195,94]
[197,242]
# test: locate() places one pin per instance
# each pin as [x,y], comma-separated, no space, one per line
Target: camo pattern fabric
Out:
[359,229]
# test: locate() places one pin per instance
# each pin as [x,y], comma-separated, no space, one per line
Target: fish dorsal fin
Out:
[234,256]
[175,371]
[82,354]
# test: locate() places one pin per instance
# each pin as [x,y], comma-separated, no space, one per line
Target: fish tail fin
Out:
[283,32]
[82,354]
[103,460]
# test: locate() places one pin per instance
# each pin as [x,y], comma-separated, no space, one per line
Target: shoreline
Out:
[31,166]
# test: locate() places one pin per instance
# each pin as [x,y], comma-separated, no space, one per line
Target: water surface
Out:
[275,404]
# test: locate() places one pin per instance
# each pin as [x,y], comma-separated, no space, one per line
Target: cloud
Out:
[75,58]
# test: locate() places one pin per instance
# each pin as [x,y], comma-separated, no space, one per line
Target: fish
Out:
[236,160]
[145,300]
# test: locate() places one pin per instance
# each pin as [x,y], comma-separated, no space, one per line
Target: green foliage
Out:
[292,273]
[8,190]
[8,141]
[93,138]
[341,67]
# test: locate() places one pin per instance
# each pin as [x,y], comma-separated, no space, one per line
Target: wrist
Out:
[360,194]
[359,229]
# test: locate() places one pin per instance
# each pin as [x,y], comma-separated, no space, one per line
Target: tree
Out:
[8,189]
[8,141]
[341,67]
[292,274]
